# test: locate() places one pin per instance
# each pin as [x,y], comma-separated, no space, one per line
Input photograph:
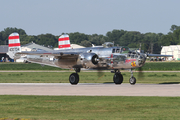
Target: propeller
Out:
[99,71]
[100,74]
[95,61]
[140,73]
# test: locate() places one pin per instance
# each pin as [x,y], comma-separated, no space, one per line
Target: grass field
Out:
[89,107]
[162,66]
[32,66]
[25,66]
[85,77]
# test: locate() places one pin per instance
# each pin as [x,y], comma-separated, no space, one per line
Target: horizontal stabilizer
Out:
[158,55]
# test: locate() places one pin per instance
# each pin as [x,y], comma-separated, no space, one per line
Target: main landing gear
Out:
[74,77]
[118,77]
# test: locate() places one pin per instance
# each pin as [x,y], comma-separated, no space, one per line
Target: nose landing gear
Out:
[132,80]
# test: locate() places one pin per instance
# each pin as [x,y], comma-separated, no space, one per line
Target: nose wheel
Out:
[132,80]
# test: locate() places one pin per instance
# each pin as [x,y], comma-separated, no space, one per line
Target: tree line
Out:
[150,42]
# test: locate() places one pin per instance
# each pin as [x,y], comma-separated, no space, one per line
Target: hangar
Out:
[32,45]
[3,53]
[27,47]
[171,50]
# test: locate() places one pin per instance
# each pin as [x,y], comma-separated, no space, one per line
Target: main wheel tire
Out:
[74,78]
[132,80]
[118,78]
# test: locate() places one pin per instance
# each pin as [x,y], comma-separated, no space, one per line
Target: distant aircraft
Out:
[106,57]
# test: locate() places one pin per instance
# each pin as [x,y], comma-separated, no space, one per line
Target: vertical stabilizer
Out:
[14,45]
[64,42]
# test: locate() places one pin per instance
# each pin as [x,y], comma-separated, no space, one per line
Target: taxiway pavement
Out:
[89,89]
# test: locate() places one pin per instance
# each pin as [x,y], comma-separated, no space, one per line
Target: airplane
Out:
[105,57]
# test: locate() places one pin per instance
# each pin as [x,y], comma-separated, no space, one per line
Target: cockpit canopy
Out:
[123,50]
[108,44]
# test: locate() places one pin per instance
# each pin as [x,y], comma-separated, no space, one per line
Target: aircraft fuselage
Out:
[109,58]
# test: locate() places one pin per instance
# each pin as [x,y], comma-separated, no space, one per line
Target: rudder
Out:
[14,45]
[64,42]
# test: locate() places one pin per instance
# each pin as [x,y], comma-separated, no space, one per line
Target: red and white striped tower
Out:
[64,42]
[14,44]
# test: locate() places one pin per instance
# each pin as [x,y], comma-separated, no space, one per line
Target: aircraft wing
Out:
[51,53]
[158,55]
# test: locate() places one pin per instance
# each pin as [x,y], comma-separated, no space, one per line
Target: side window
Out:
[117,51]
[113,51]
[132,56]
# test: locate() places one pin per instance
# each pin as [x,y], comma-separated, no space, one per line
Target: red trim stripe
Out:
[111,57]
[14,45]
[64,46]
[63,39]
[13,37]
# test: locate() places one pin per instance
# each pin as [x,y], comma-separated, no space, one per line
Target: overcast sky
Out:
[89,16]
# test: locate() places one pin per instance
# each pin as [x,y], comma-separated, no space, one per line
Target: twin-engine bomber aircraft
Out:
[106,57]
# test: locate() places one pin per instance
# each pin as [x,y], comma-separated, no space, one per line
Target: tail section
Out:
[64,42]
[14,45]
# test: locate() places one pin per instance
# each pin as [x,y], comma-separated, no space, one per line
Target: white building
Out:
[177,53]
[74,46]
[30,47]
[164,50]
[171,50]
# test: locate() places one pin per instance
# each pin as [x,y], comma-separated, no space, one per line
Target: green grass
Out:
[25,66]
[164,66]
[85,77]
[89,107]
[32,66]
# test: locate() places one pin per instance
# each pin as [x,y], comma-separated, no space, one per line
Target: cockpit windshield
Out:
[124,50]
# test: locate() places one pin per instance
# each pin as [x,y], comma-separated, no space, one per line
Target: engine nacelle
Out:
[88,60]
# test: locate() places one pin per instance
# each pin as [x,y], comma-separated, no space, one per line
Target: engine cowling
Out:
[88,60]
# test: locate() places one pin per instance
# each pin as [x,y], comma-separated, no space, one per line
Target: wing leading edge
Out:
[51,53]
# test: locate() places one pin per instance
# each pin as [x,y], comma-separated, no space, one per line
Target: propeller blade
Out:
[140,73]
[100,72]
